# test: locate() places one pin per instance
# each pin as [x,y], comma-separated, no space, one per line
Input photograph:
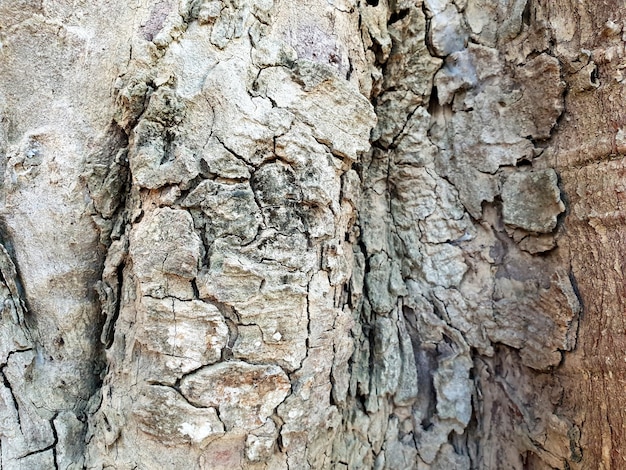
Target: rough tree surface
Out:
[286,234]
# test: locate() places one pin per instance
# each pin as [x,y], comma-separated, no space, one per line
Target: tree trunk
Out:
[273,234]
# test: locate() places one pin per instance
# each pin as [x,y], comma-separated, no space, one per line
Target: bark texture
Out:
[272,234]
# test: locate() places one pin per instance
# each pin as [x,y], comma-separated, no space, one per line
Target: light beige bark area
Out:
[271,234]
[54,59]
[243,122]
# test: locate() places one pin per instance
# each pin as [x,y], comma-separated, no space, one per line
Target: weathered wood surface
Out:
[276,234]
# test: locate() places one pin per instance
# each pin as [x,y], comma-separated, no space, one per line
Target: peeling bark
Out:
[303,235]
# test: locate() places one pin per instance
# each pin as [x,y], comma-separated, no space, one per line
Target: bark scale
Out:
[267,234]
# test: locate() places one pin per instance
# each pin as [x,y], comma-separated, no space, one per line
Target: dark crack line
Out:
[7,384]
[51,447]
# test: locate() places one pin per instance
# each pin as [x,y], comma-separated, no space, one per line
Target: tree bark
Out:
[275,234]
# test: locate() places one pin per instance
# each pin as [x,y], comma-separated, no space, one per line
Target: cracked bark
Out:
[298,235]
